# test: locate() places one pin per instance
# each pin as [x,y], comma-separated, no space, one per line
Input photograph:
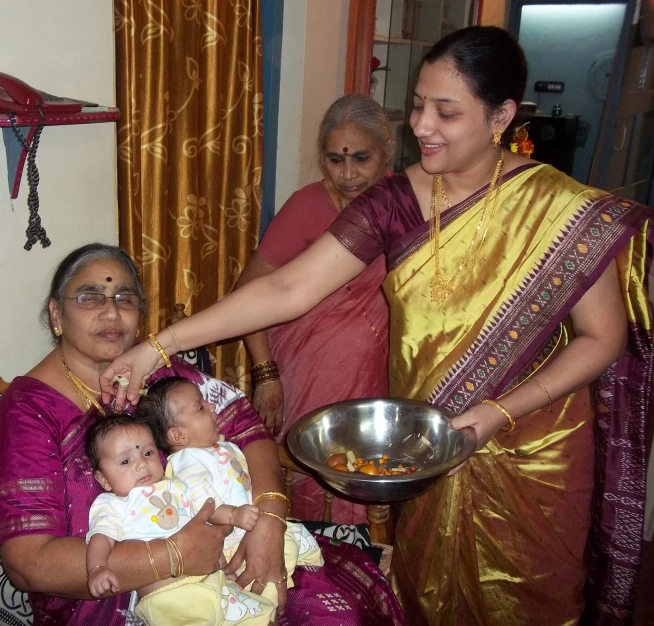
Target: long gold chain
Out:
[442,289]
[342,200]
[87,394]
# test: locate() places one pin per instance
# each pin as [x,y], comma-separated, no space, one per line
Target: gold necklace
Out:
[342,200]
[442,289]
[87,394]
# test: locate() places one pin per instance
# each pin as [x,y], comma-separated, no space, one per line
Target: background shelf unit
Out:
[404,31]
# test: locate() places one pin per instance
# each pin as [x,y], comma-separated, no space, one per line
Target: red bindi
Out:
[345,150]
[108,279]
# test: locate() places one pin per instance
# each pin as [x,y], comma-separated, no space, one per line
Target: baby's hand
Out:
[245,516]
[101,581]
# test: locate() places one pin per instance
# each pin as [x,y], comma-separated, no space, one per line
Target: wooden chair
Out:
[3,385]
[382,526]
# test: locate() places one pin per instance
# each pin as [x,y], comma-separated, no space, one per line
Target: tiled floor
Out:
[645,602]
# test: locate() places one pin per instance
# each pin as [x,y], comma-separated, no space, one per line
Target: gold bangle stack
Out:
[279,517]
[152,563]
[271,495]
[154,342]
[174,553]
[264,372]
[533,380]
[508,415]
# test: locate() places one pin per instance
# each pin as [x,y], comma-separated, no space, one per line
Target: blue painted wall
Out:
[566,43]
[272,20]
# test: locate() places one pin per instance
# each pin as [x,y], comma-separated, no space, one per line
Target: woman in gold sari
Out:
[518,301]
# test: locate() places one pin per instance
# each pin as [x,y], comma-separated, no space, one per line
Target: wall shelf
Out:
[403,31]
[88,115]
[403,41]
[16,154]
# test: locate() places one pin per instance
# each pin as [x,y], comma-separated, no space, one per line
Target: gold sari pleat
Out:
[502,542]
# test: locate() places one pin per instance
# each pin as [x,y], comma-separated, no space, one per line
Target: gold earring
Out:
[138,333]
[57,331]
[497,137]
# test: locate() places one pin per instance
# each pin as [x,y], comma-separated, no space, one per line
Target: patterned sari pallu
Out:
[552,511]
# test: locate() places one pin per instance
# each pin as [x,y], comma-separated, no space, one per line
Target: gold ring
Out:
[283,581]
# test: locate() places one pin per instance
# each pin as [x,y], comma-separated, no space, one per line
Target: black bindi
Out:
[137,447]
[108,279]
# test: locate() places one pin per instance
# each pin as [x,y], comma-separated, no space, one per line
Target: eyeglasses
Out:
[125,301]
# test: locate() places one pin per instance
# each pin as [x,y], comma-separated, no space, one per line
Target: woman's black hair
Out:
[491,62]
[74,262]
[154,410]
[99,430]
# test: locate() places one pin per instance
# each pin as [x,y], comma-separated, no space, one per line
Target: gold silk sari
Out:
[504,541]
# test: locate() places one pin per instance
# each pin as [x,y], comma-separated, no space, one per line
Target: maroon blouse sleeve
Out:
[31,468]
[370,224]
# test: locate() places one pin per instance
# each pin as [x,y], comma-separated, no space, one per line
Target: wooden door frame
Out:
[360,38]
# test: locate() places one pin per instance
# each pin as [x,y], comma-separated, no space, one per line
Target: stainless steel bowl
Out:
[409,432]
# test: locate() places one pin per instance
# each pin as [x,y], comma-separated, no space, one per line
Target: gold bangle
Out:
[264,365]
[172,332]
[94,567]
[175,570]
[271,495]
[180,558]
[261,383]
[534,380]
[154,342]
[508,415]
[230,515]
[152,563]
[279,517]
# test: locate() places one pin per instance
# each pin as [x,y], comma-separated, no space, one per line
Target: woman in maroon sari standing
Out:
[338,350]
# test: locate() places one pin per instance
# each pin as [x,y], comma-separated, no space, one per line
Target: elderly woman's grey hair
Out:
[361,111]
[77,260]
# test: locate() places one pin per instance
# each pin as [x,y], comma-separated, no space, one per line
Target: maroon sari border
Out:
[579,291]
[530,316]
[411,241]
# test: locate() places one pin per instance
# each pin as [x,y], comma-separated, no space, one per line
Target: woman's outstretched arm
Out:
[267,399]
[278,297]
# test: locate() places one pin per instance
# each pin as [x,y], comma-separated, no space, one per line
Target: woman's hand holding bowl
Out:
[268,400]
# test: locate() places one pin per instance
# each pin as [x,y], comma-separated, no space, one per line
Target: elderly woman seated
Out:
[93,310]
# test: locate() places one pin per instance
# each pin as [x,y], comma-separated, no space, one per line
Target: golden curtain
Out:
[190,145]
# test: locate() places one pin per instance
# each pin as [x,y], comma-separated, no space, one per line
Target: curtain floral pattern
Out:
[190,144]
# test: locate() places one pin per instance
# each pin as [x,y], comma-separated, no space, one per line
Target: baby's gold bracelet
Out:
[508,415]
[88,574]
